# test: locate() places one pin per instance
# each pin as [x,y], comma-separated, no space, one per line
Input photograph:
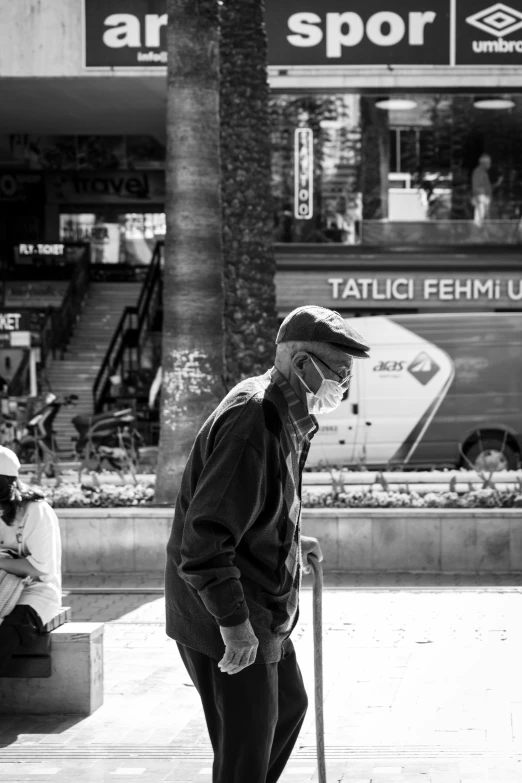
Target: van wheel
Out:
[491,454]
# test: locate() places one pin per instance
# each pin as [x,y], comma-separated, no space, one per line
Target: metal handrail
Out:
[57,329]
[132,319]
[64,319]
[112,359]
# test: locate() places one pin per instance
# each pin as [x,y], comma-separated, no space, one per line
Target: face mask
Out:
[327,398]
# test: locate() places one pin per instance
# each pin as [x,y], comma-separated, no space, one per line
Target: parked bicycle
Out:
[39,445]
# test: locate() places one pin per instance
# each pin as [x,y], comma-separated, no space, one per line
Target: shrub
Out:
[479,498]
[104,496]
[109,495]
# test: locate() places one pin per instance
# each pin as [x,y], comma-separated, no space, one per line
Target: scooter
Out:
[108,440]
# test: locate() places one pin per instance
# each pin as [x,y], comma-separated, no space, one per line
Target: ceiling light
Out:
[493,103]
[331,124]
[396,104]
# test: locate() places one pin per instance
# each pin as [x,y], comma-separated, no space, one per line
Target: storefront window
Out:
[409,169]
[128,238]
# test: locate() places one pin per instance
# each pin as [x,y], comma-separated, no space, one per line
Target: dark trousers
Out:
[17,630]
[253,717]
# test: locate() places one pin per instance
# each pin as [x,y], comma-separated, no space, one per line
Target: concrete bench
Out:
[35,660]
[62,671]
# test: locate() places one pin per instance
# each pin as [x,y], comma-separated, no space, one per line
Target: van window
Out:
[487,368]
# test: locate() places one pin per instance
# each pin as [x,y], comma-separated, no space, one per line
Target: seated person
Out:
[29,546]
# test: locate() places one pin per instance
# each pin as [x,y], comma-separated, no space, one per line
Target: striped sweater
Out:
[234,550]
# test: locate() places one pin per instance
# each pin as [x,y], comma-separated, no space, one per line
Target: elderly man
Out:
[235,551]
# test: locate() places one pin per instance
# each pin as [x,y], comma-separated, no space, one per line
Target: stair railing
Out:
[130,332]
[57,327]
[69,312]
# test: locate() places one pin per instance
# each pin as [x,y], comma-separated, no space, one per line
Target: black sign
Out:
[125,33]
[21,186]
[132,33]
[359,32]
[489,33]
[41,249]
[113,187]
[49,254]
[21,320]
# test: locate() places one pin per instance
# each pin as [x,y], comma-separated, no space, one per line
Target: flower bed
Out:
[110,496]
[480,498]
[103,496]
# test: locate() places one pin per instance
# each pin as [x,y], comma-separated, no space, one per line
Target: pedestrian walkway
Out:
[422,683]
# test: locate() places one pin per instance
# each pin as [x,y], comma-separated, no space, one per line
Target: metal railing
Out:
[57,327]
[131,332]
[66,317]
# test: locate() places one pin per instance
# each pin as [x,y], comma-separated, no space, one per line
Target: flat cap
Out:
[318,324]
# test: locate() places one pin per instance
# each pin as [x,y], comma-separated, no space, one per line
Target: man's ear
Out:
[299,360]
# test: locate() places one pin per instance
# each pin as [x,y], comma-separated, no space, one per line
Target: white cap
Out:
[9,462]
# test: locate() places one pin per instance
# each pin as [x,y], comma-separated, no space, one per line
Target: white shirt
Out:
[41,545]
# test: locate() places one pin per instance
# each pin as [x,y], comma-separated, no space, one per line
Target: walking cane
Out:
[318,663]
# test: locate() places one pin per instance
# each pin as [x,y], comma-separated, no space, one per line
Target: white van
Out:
[436,388]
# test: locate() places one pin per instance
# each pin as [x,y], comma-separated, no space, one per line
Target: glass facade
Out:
[106,190]
[417,169]
[128,238]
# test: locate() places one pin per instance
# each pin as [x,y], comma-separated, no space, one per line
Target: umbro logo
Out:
[423,368]
[498,20]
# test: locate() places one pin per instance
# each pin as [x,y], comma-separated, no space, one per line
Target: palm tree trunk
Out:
[248,212]
[193,345]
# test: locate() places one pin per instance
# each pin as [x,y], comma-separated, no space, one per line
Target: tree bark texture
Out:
[192,352]
[250,299]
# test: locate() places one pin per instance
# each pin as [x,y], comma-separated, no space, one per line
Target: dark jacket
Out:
[234,549]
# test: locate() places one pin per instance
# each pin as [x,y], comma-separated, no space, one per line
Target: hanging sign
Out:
[304,173]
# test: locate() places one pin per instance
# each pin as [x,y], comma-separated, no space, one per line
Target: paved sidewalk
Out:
[421,684]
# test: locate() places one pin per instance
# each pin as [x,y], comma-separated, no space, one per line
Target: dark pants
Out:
[253,717]
[17,630]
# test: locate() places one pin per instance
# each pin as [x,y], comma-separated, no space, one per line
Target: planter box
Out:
[114,540]
[422,540]
[126,540]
